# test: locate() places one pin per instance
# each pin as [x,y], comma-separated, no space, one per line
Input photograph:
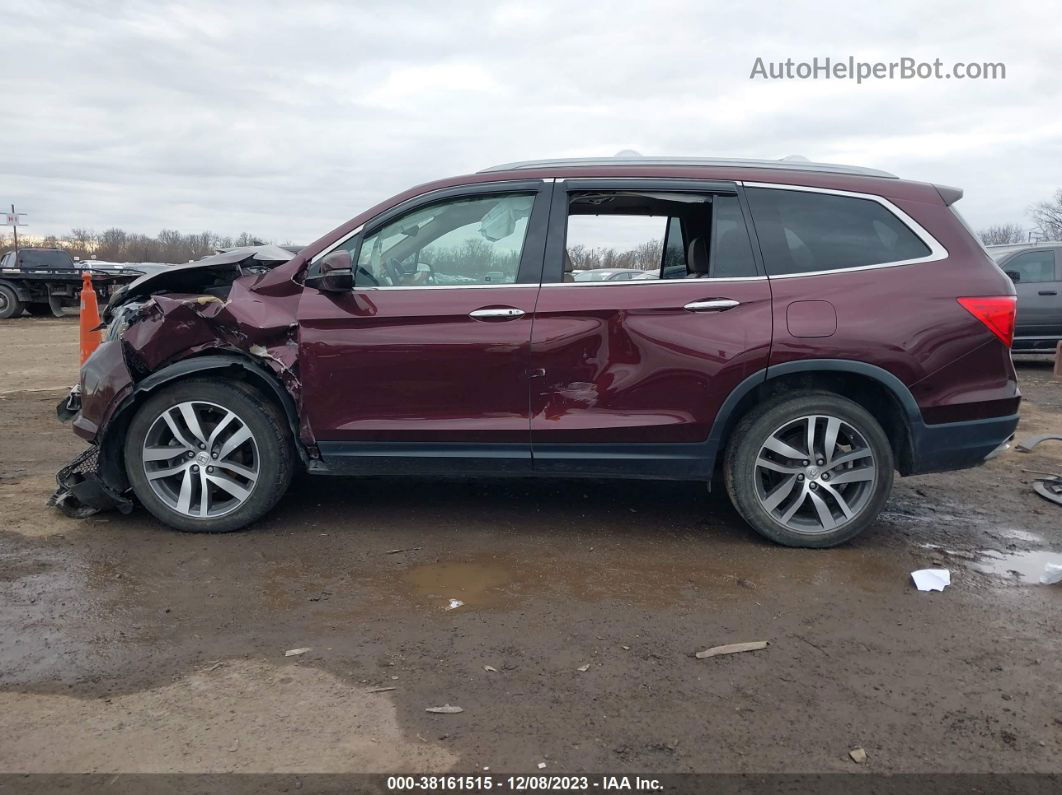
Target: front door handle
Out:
[1049,292]
[497,313]
[711,305]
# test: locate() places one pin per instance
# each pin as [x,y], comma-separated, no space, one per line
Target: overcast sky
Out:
[286,119]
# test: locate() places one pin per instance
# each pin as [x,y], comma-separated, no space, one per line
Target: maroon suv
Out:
[801,330]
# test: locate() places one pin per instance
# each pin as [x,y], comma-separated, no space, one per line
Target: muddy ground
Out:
[128,647]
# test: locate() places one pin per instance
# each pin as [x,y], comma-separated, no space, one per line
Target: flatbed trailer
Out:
[43,281]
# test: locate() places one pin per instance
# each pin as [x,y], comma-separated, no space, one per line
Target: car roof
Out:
[786,164]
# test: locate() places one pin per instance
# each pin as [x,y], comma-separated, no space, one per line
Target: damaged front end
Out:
[232,315]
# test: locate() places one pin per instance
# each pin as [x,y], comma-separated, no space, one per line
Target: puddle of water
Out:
[1023,567]
[1020,535]
[475,584]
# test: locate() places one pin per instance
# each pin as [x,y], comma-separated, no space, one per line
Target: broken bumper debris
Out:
[81,491]
[1050,486]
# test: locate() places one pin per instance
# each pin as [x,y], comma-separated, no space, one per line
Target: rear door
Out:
[427,357]
[630,374]
[1038,282]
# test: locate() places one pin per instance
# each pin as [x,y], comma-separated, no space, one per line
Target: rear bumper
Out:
[1035,344]
[958,445]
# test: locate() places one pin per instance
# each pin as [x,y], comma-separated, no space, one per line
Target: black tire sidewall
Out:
[265,422]
[752,431]
[13,307]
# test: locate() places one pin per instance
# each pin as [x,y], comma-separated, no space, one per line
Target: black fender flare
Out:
[723,423]
[213,362]
[18,289]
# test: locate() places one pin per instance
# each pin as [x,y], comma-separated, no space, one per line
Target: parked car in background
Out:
[614,275]
[1036,270]
[813,328]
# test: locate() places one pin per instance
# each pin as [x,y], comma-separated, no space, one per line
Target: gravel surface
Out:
[126,647]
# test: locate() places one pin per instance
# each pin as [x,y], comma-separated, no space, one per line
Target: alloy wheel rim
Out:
[815,474]
[201,459]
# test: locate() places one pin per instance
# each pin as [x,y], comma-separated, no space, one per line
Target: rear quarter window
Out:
[804,232]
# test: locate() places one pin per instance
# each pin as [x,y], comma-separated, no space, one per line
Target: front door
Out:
[428,356]
[653,308]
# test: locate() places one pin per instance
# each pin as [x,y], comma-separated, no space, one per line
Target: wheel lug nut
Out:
[195,468]
[805,463]
[202,446]
[210,469]
[814,485]
[825,475]
[191,454]
[821,461]
[800,477]
[214,454]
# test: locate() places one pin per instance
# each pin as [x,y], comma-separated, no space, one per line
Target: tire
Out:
[38,309]
[248,477]
[10,306]
[782,492]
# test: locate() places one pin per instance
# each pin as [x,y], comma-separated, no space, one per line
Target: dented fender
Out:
[211,317]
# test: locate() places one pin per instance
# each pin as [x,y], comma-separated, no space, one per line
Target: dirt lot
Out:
[127,647]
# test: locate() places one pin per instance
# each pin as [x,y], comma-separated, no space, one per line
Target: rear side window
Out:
[802,232]
[1032,266]
[616,236]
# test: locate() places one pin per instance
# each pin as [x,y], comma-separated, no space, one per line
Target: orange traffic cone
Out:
[90,318]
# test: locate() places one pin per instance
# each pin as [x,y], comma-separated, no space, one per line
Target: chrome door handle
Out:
[499,313]
[712,305]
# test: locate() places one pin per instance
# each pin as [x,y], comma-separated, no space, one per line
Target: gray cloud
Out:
[286,119]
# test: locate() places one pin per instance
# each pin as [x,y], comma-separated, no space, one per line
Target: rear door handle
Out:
[497,313]
[1049,292]
[711,305]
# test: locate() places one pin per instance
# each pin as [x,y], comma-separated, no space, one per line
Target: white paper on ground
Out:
[931,579]
[1052,574]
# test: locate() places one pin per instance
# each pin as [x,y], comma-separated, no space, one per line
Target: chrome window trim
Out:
[325,251]
[647,282]
[634,283]
[407,287]
[937,251]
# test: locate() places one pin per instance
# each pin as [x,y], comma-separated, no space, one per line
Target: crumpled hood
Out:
[215,270]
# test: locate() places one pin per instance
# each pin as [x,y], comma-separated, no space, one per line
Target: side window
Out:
[1031,266]
[612,247]
[620,236]
[456,242]
[804,232]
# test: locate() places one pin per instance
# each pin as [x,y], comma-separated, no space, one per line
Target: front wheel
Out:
[208,457]
[811,469]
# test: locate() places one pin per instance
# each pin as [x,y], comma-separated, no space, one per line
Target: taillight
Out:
[996,312]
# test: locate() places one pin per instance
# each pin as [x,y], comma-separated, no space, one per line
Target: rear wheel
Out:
[208,457]
[10,306]
[811,469]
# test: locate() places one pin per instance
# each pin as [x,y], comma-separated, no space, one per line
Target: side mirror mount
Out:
[333,273]
[1014,276]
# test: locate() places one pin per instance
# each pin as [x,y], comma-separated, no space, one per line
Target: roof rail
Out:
[719,162]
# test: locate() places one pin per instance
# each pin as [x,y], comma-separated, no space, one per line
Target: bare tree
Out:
[1001,234]
[1048,217]
[117,245]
